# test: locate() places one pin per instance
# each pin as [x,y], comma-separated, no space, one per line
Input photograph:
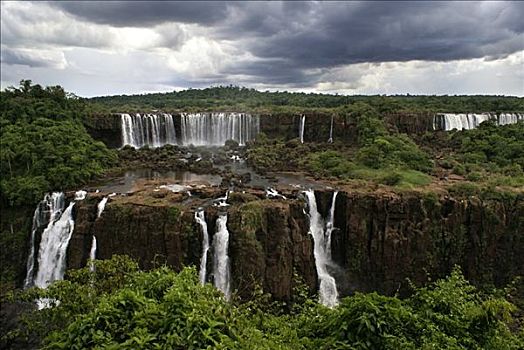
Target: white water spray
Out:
[214,129]
[450,121]
[53,247]
[330,140]
[101,206]
[328,288]
[200,217]
[48,210]
[301,128]
[153,130]
[220,256]
[92,255]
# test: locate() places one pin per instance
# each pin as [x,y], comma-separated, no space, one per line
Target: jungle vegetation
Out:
[120,307]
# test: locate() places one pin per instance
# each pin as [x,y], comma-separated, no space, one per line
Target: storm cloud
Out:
[311,46]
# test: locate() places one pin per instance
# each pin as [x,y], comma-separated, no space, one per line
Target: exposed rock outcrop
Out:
[379,241]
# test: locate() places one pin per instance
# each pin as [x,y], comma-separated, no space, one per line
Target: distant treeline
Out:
[243,99]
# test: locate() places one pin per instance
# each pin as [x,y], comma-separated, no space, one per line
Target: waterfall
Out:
[92,255]
[328,288]
[509,118]
[52,252]
[153,130]
[450,121]
[214,129]
[330,225]
[200,217]
[47,211]
[220,257]
[301,128]
[330,140]
[101,206]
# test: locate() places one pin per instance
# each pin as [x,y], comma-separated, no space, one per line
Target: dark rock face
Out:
[380,240]
[105,128]
[410,123]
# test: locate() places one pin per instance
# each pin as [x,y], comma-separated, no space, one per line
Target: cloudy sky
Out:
[117,47]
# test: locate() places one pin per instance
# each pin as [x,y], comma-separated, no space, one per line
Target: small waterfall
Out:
[153,130]
[214,129]
[220,256]
[48,210]
[321,236]
[330,140]
[52,252]
[301,128]
[200,217]
[330,225]
[92,255]
[101,206]
[450,121]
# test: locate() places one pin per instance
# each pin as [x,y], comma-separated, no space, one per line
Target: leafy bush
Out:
[161,309]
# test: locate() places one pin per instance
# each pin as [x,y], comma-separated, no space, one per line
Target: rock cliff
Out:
[380,238]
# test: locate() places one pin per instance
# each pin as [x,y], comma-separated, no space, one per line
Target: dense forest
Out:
[244,99]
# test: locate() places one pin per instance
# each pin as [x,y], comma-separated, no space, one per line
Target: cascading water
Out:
[46,212]
[214,129]
[52,252]
[450,121]
[101,206]
[509,118]
[330,225]
[220,256]
[328,288]
[153,130]
[92,255]
[330,140]
[200,218]
[301,128]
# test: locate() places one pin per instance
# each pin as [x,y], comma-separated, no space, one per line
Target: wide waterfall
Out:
[46,212]
[92,255]
[52,252]
[214,129]
[101,206]
[200,217]
[220,256]
[450,121]
[301,127]
[322,237]
[153,130]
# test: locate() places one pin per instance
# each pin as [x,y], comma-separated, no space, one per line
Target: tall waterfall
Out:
[92,255]
[101,206]
[322,236]
[220,256]
[330,140]
[47,211]
[52,252]
[200,217]
[214,129]
[301,128]
[153,130]
[450,121]
[330,225]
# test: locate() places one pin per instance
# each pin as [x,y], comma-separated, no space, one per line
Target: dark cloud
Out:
[145,13]
[32,58]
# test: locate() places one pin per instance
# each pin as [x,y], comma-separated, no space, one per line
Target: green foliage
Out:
[44,145]
[161,309]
